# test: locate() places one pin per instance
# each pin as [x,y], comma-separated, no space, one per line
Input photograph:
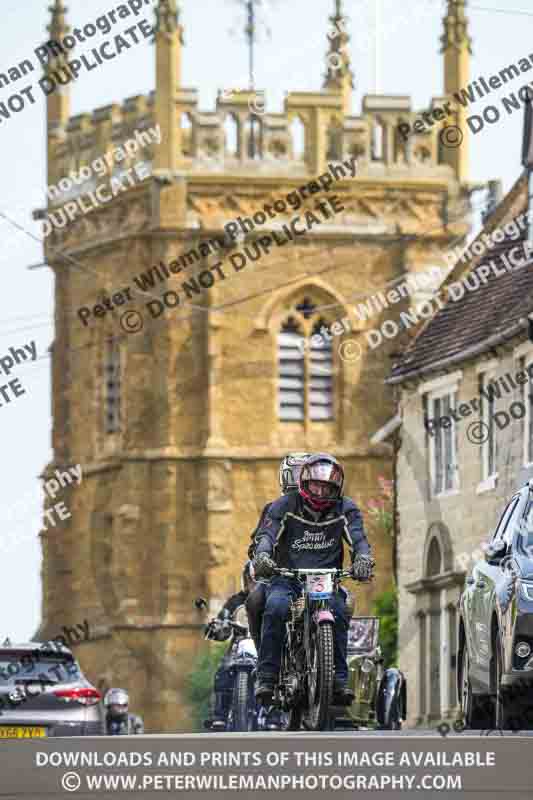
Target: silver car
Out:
[43,692]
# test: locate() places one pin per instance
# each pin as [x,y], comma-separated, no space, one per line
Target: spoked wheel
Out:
[320,677]
[241,708]
[476,709]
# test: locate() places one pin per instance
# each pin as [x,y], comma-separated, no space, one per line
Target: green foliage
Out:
[386,608]
[379,509]
[199,682]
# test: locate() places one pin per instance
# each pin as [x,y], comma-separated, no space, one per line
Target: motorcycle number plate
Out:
[319,585]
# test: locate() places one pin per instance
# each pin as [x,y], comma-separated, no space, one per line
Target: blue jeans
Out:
[280,593]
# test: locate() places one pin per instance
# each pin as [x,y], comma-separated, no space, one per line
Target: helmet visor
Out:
[118,709]
[323,471]
[323,490]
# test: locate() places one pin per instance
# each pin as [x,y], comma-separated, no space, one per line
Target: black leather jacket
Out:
[130,726]
[253,537]
[295,538]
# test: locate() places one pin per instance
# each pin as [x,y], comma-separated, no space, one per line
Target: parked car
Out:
[43,692]
[380,694]
[495,645]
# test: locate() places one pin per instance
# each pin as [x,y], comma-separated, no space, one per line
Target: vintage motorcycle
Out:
[241,660]
[305,688]
[380,694]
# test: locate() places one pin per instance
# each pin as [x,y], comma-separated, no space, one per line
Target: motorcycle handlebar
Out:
[297,573]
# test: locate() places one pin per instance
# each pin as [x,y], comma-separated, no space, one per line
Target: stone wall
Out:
[469,514]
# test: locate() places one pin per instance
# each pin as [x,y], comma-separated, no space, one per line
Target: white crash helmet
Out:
[117,702]
[289,471]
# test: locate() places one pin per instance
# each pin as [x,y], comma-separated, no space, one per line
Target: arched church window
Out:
[186,134]
[231,130]
[298,138]
[305,367]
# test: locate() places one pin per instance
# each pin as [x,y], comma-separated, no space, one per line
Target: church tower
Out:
[180,399]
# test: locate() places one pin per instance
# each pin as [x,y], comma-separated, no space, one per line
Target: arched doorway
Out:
[437,596]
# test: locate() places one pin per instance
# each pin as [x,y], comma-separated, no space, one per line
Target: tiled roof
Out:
[478,317]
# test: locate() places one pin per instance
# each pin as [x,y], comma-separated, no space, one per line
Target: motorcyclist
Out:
[307,530]
[220,630]
[289,473]
[118,720]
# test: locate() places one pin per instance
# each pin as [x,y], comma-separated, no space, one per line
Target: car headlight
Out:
[522,649]
[527,590]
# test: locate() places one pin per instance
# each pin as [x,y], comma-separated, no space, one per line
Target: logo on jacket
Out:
[313,541]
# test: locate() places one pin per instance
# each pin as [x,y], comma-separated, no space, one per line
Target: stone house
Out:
[464,433]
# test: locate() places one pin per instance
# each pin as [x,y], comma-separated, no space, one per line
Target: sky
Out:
[402,59]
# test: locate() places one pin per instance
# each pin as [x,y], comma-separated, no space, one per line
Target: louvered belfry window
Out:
[305,368]
[112,423]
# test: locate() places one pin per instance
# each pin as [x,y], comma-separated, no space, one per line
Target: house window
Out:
[112,421]
[443,443]
[305,367]
[488,429]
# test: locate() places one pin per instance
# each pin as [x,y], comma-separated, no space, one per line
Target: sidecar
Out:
[379,693]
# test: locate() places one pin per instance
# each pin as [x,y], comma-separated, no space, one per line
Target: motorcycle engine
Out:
[292,686]
[297,608]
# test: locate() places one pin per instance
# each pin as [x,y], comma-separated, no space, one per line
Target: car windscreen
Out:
[362,634]
[34,666]
[525,532]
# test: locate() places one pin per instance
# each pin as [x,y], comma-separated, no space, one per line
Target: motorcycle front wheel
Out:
[294,719]
[241,702]
[320,677]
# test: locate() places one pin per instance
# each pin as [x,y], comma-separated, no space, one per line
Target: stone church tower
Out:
[179,427]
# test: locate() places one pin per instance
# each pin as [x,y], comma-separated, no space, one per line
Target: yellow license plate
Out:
[21,732]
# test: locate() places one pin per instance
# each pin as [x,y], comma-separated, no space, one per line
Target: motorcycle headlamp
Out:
[367,665]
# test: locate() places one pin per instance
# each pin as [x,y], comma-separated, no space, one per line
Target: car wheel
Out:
[477,710]
[507,716]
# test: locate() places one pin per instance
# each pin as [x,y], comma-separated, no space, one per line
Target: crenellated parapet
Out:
[87,137]
[240,136]
[311,132]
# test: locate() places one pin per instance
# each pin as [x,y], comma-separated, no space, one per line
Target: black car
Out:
[495,646]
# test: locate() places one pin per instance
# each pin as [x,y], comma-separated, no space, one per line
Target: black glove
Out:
[363,568]
[263,566]
[218,630]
